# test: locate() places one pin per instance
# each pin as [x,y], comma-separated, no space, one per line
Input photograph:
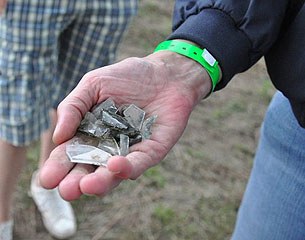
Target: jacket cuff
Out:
[215,30]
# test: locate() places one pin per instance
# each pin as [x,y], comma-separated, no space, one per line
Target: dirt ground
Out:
[195,192]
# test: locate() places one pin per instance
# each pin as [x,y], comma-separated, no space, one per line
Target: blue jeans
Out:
[273,206]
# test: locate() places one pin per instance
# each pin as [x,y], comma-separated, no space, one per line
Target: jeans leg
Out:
[273,206]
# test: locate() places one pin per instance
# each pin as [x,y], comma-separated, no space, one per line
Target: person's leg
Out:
[28,60]
[11,162]
[46,143]
[273,205]
[17,127]
[57,214]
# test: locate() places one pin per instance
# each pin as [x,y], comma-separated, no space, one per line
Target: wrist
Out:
[183,72]
[197,54]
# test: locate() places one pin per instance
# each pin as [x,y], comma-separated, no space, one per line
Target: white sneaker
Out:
[6,230]
[57,214]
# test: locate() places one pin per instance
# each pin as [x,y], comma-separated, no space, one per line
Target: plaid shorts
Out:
[46,46]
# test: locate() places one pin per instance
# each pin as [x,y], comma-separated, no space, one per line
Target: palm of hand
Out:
[132,81]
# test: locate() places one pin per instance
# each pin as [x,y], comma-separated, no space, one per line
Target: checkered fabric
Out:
[46,46]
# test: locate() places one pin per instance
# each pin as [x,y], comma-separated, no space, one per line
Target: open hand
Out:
[154,85]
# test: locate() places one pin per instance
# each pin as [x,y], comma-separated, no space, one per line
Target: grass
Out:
[230,108]
[155,177]
[266,91]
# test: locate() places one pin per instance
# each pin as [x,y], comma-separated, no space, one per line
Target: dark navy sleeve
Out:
[237,33]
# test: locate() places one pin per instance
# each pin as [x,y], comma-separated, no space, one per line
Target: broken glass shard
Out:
[87,125]
[80,153]
[107,105]
[124,144]
[147,125]
[134,116]
[85,139]
[109,145]
[108,131]
[113,120]
[101,129]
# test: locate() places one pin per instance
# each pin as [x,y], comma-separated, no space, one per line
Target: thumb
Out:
[68,121]
[71,111]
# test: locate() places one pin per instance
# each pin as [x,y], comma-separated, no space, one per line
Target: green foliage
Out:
[232,107]
[218,215]
[164,214]
[155,177]
[33,154]
[267,90]
[195,153]
[244,149]
[171,224]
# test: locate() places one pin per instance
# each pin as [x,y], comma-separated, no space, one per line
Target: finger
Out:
[72,109]
[55,168]
[130,167]
[120,166]
[145,155]
[68,120]
[69,187]
[101,182]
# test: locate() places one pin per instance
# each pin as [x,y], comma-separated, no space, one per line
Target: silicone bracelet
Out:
[202,56]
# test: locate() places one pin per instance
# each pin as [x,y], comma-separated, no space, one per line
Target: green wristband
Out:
[202,56]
